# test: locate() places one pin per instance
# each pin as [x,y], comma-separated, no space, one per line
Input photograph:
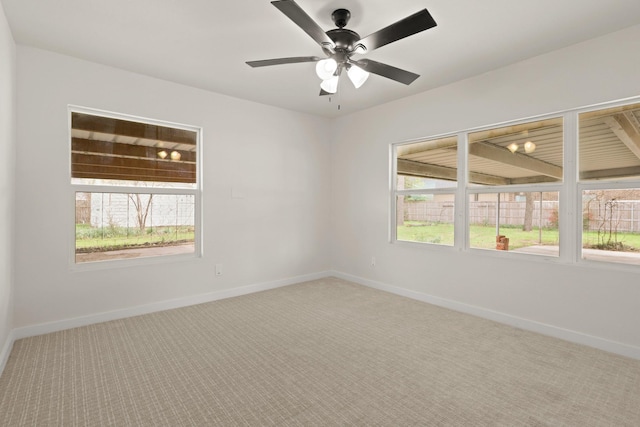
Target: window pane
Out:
[610,143]
[520,222]
[425,218]
[611,225]
[427,164]
[518,154]
[119,226]
[109,151]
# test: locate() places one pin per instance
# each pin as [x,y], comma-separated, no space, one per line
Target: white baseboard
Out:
[45,328]
[6,350]
[554,331]
[518,322]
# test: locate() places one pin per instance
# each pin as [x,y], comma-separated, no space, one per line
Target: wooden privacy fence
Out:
[484,213]
[625,217]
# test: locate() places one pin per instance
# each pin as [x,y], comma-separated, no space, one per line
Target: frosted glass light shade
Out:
[326,68]
[330,85]
[357,76]
[529,147]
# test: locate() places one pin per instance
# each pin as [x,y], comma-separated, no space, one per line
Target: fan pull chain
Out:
[338,103]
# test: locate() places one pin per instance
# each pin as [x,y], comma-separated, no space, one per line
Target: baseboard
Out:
[529,325]
[6,350]
[45,328]
[542,328]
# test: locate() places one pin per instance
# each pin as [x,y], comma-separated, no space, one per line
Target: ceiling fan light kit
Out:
[340,44]
[357,75]
[330,85]
[326,68]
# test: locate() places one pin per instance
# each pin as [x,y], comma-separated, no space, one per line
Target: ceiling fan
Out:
[340,44]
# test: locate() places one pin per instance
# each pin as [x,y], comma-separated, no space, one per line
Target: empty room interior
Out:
[320,212]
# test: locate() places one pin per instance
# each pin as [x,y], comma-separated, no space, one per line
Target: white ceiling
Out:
[205,43]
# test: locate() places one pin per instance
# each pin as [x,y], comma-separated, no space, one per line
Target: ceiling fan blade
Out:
[279,61]
[387,71]
[304,21]
[406,27]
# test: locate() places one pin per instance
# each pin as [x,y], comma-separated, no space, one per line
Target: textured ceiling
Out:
[205,43]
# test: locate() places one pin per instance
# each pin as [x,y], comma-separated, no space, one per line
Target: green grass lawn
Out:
[484,237]
[90,239]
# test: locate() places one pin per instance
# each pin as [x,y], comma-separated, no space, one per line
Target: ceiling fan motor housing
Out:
[344,39]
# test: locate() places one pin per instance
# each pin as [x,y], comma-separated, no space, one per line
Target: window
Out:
[136,187]
[425,191]
[526,153]
[524,222]
[565,186]
[609,171]
[528,156]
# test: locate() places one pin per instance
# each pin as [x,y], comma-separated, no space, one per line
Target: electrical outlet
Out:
[218,269]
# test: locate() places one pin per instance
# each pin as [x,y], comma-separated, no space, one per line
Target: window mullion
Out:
[393,186]
[570,210]
[461,220]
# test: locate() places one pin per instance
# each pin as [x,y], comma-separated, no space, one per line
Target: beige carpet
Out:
[322,353]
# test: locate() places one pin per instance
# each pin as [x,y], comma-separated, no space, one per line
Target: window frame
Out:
[569,191]
[395,193]
[196,192]
[597,184]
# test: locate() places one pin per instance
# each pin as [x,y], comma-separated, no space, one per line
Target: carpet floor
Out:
[321,353]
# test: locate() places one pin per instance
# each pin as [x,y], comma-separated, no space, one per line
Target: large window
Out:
[609,159]
[136,187]
[564,186]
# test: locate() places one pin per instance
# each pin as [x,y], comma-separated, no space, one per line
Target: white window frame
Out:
[395,193]
[605,184]
[546,187]
[87,188]
[569,192]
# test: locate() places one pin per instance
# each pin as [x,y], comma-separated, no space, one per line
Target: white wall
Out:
[279,161]
[7,148]
[600,302]
[306,207]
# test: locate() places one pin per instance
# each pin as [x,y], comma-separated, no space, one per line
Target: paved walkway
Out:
[590,254]
[135,253]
